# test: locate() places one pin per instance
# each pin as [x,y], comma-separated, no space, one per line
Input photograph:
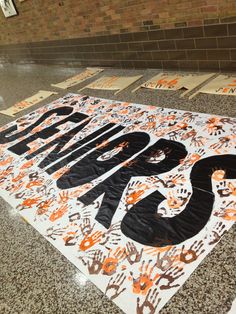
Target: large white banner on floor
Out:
[135,196]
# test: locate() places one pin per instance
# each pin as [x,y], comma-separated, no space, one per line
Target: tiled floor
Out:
[36,278]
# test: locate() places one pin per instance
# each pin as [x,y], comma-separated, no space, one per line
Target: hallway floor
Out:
[36,278]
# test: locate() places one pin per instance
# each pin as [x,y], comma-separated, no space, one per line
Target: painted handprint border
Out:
[135,196]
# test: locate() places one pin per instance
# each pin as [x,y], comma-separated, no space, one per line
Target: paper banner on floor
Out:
[165,81]
[194,80]
[118,83]
[79,78]
[135,196]
[170,81]
[28,102]
[221,85]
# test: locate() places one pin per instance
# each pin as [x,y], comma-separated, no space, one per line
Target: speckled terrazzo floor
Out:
[36,278]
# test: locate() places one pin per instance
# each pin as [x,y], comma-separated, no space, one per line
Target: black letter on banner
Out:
[21,147]
[114,186]
[6,137]
[86,148]
[143,224]
[89,168]
[61,141]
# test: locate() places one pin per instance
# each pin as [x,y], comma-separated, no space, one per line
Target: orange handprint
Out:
[218,175]
[43,207]
[144,282]
[174,180]
[6,161]
[214,126]
[34,183]
[58,213]
[29,202]
[90,240]
[178,200]
[19,177]
[15,188]
[111,262]
[135,190]
[5,173]
[232,188]
[230,214]
[27,164]
[78,191]
[64,197]
[134,197]
[194,158]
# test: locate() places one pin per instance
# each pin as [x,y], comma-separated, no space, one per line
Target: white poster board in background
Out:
[79,78]
[165,81]
[221,85]
[118,83]
[8,8]
[194,80]
[175,81]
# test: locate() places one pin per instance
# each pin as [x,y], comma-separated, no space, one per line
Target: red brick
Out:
[47,20]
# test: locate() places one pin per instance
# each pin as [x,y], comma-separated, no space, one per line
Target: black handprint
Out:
[112,236]
[164,263]
[224,142]
[217,233]
[114,286]
[198,141]
[97,260]
[223,190]
[150,303]
[170,275]
[174,180]
[190,255]
[133,256]
[86,227]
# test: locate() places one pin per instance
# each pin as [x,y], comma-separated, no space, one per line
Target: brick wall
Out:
[40,20]
[194,34]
